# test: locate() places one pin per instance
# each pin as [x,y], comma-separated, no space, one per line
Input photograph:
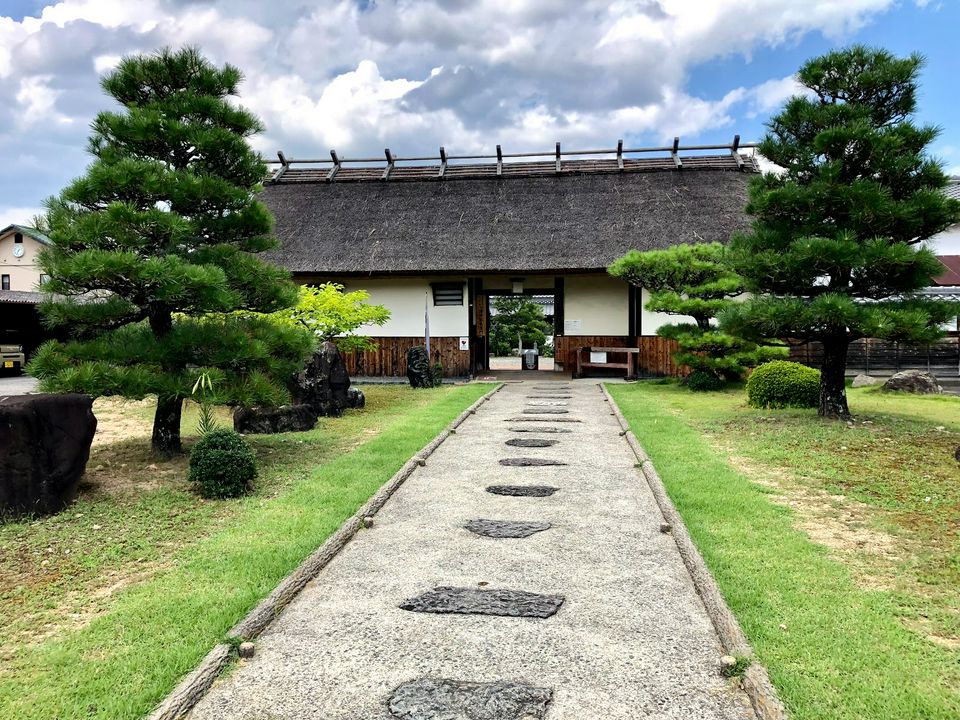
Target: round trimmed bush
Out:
[781,384]
[221,465]
[703,381]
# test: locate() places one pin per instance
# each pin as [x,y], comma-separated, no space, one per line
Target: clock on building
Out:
[18,250]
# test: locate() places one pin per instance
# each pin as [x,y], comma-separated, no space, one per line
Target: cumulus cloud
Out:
[361,75]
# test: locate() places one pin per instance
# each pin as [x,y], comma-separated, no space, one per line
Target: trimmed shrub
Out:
[703,381]
[781,384]
[221,465]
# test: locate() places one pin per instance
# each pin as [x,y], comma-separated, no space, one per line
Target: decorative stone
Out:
[419,372]
[44,446]
[540,430]
[482,601]
[529,462]
[541,419]
[864,380]
[442,699]
[506,528]
[324,383]
[544,411]
[246,650]
[266,420]
[367,521]
[522,490]
[356,399]
[531,442]
[665,527]
[914,381]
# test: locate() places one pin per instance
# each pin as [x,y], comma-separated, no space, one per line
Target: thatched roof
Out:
[530,219]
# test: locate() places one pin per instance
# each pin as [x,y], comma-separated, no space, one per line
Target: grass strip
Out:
[833,650]
[125,661]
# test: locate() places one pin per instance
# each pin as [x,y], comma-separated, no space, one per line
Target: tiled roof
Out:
[952,275]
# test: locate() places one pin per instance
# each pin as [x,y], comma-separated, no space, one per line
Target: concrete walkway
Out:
[631,638]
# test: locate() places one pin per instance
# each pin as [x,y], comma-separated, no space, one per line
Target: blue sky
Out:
[412,75]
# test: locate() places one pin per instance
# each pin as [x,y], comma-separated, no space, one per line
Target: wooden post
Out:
[733,151]
[336,166]
[675,153]
[620,154]
[558,157]
[389,167]
[284,165]
[499,161]
[443,162]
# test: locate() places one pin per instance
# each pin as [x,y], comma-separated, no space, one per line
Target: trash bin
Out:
[531,359]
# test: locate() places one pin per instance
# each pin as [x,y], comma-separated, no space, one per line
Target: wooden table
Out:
[633,355]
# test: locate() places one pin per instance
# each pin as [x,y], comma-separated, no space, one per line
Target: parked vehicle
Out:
[12,359]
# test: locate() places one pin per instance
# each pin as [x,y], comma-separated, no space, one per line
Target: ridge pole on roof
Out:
[443,162]
[336,166]
[734,153]
[620,155]
[558,157]
[389,167]
[499,161]
[674,153]
[284,165]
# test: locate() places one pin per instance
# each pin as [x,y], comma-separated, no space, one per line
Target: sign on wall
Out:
[464,343]
[569,325]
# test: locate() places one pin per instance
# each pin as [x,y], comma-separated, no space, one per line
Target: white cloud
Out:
[18,215]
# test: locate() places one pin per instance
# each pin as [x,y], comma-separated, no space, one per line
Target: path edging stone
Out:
[194,686]
[755,680]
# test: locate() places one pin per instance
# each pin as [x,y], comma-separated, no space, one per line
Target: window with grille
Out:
[447,293]
[4,282]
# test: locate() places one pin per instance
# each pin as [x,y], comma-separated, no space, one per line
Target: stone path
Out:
[466,604]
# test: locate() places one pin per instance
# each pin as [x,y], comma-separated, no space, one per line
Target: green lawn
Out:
[142,577]
[864,623]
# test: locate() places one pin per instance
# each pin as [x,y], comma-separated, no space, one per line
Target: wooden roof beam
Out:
[284,165]
[558,157]
[443,162]
[734,151]
[336,166]
[389,168]
[620,155]
[674,153]
[499,162]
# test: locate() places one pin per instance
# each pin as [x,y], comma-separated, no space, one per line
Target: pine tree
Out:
[154,251]
[517,318]
[836,249]
[693,281]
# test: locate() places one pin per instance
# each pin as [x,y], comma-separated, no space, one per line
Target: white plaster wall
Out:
[650,322]
[404,298]
[23,271]
[947,242]
[599,302]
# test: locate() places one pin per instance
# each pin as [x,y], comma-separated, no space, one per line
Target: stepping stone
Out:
[539,430]
[547,403]
[506,528]
[443,699]
[481,601]
[531,442]
[541,419]
[552,388]
[529,462]
[549,397]
[544,411]
[522,490]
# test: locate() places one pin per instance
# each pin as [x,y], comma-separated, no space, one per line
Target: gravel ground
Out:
[630,640]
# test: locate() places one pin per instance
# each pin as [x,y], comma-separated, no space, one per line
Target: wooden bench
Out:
[632,356]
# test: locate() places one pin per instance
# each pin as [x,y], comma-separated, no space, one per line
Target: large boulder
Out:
[267,420]
[864,380]
[323,383]
[419,372]
[914,381]
[44,447]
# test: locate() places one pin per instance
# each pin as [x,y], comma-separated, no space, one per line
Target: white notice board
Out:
[598,357]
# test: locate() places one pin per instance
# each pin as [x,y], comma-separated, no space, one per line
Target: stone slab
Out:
[444,699]
[549,397]
[540,430]
[506,528]
[522,490]
[542,419]
[446,600]
[531,442]
[547,403]
[544,411]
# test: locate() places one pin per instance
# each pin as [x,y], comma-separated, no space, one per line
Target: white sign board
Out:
[464,343]
[598,357]
[569,325]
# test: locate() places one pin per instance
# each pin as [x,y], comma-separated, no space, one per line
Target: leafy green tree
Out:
[155,250]
[693,281]
[836,249]
[516,317]
[332,314]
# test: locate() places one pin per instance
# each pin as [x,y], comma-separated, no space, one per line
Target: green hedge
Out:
[781,384]
[221,465]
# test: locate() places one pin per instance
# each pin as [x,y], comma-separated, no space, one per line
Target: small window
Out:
[44,279]
[4,282]
[447,293]
[18,238]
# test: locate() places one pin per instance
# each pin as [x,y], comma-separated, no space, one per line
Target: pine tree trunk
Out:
[166,426]
[833,389]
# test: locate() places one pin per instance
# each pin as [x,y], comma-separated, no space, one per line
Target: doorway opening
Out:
[521,331]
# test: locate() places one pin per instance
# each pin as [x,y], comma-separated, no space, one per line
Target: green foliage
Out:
[436,372]
[782,384]
[202,391]
[517,316]
[330,313]
[703,381]
[158,242]
[221,465]
[694,281]
[836,249]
